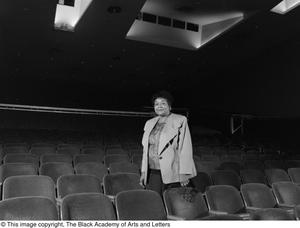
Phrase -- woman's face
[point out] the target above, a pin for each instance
(161, 107)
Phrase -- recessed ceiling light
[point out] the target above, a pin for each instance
(285, 6)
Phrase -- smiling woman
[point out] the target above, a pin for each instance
(167, 148)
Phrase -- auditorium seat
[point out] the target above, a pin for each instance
(225, 199)
(292, 164)
(28, 208)
(112, 151)
(29, 185)
(271, 214)
(56, 169)
(230, 165)
(287, 194)
(87, 206)
(15, 149)
(68, 150)
(297, 212)
(137, 159)
(257, 196)
(274, 164)
(201, 181)
(140, 205)
(115, 158)
(91, 168)
(93, 150)
(253, 176)
(21, 158)
(46, 158)
(123, 167)
(231, 158)
(254, 164)
(115, 183)
(39, 150)
(276, 175)
(294, 174)
(69, 184)
(224, 217)
(226, 177)
(185, 203)
(79, 158)
(15, 169)
(206, 166)
(208, 157)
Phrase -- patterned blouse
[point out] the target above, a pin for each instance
(154, 144)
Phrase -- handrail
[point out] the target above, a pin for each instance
(32, 108)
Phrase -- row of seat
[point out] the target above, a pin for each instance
(218, 203)
(227, 177)
(57, 169)
(67, 149)
(44, 186)
(225, 199)
(210, 165)
(76, 159)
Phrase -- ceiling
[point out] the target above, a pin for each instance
(95, 66)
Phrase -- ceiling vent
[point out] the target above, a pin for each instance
(67, 2)
(167, 21)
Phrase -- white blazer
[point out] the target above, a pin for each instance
(175, 149)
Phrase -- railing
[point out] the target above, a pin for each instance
(31, 108)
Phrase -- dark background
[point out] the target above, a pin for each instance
(251, 69)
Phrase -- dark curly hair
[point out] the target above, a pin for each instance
(163, 94)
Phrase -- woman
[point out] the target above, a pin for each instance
(167, 148)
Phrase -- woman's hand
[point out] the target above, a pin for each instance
(184, 180)
(142, 179)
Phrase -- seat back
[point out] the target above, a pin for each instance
(224, 198)
(271, 214)
(274, 164)
(21, 158)
(29, 185)
(69, 184)
(91, 168)
(258, 195)
(15, 149)
(15, 169)
(93, 150)
(68, 150)
(254, 164)
(140, 205)
(56, 169)
(276, 175)
(253, 176)
(115, 183)
(46, 158)
(28, 208)
(294, 174)
(201, 181)
(287, 193)
(123, 167)
(115, 158)
(79, 158)
(87, 206)
(187, 203)
(230, 165)
(226, 177)
(39, 150)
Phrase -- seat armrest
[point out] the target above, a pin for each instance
(217, 212)
(174, 218)
(245, 216)
(112, 198)
(285, 206)
(252, 209)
